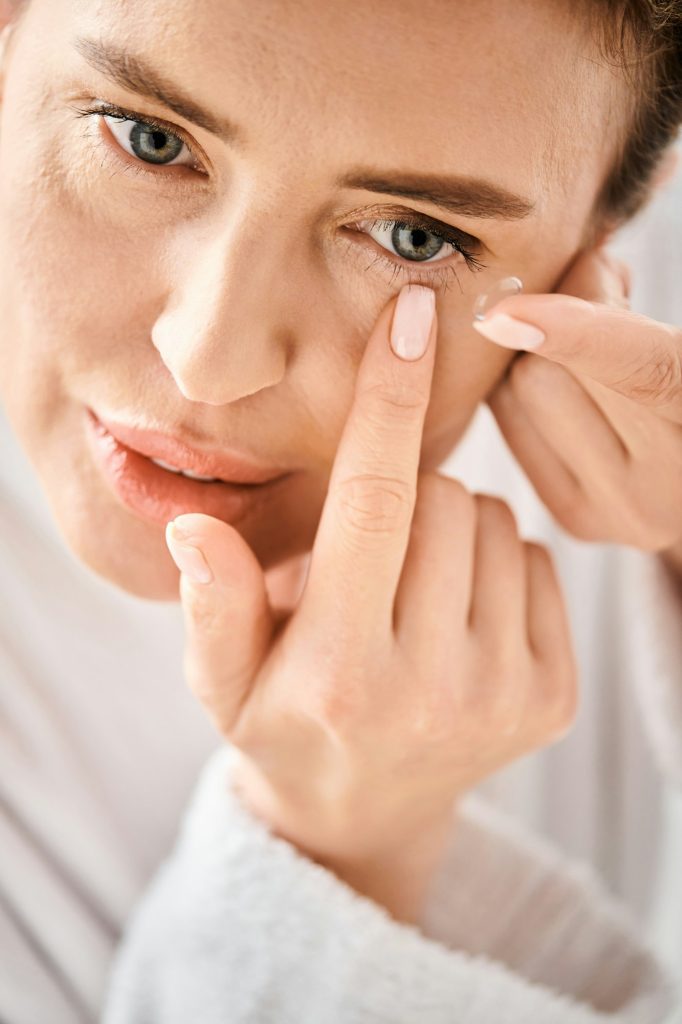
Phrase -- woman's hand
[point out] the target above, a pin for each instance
(429, 646)
(594, 415)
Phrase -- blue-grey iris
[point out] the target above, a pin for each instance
(415, 243)
(154, 146)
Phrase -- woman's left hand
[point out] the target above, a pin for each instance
(593, 413)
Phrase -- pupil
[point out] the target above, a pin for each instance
(415, 243)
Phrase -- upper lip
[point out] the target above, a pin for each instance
(225, 464)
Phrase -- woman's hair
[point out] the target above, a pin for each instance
(643, 38)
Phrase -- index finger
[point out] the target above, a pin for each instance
(630, 353)
(364, 529)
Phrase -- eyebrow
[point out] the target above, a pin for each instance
(466, 196)
(135, 75)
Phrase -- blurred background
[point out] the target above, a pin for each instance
(631, 833)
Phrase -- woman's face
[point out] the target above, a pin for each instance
(218, 282)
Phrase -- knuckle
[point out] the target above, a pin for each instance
(500, 668)
(649, 514)
(459, 495)
(501, 656)
(434, 731)
(434, 487)
(571, 511)
(537, 550)
(574, 512)
(205, 617)
(495, 512)
(659, 379)
(374, 504)
(336, 708)
(648, 524)
(531, 378)
(539, 555)
(525, 372)
(503, 711)
(497, 713)
(506, 718)
(639, 517)
(393, 398)
(436, 717)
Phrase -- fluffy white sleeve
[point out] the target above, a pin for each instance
(239, 928)
(651, 598)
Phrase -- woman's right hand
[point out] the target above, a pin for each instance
(429, 646)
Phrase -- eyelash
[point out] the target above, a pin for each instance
(441, 274)
(103, 109)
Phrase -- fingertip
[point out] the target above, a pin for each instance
(189, 558)
(510, 332)
(413, 318)
(189, 524)
(550, 312)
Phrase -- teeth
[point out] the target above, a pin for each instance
(165, 465)
(196, 476)
(182, 472)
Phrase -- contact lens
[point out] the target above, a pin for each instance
(507, 286)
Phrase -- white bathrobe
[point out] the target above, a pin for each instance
(100, 744)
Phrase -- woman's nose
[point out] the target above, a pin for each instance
(219, 335)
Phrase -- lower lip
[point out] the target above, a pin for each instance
(158, 495)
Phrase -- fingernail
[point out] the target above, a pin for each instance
(510, 332)
(189, 559)
(412, 319)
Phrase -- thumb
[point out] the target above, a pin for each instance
(228, 618)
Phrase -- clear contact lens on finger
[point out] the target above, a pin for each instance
(504, 288)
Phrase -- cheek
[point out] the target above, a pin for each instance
(73, 287)
(467, 368)
(77, 275)
(331, 346)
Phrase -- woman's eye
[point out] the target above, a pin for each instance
(410, 242)
(147, 142)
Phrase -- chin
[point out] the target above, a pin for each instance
(132, 555)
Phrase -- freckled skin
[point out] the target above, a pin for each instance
(234, 305)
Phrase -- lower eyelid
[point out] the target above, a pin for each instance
(122, 157)
(397, 261)
(441, 273)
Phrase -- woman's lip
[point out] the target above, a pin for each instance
(227, 465)
(158, 495)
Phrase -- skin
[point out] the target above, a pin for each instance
(105, 308)
(301, 691)
(616, 377)
(359, 714)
